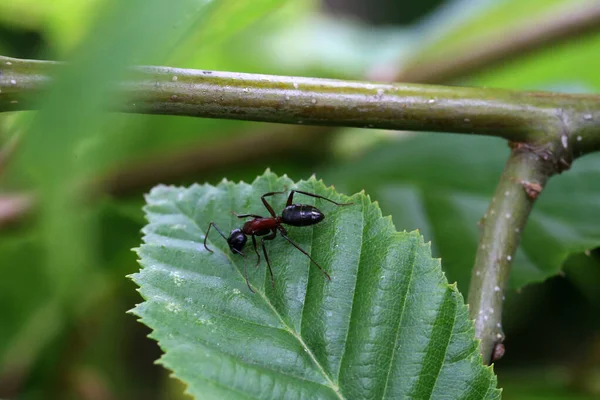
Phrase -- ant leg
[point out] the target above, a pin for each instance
(245, 270)
(283, 233)
(262, 241)
(256, 250)
(246, 215)
(212, 224)
(267, 205)
(291, 198)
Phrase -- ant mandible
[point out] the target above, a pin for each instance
(267, 227)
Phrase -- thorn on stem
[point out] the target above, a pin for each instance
(498, 352)
(532, 189)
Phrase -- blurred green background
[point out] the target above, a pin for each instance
(64, 331)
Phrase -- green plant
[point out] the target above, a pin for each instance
(436, 183)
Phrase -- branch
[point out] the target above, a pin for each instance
(516, 116)
(524, 177)
(549, 29)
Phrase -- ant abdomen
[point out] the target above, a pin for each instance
(301, 215)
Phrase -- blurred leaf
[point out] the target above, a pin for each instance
(64, 22)
(226, 18)
(574, 65)
(241, 48)
(464, 25)
(209, 39)
(53, 158)
(332, 47)
(461, 24)
(69, 115)
(293, 39)
(386, 326)
(442, 184)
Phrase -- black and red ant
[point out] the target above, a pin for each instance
(267, 227)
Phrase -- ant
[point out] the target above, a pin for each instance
(267, 227)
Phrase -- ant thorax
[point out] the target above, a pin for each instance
(260, 226)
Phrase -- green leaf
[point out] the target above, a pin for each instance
(221, 20)
(462, 23)
(571, 64)
(424, 184)
(568, 66)
(387, 325)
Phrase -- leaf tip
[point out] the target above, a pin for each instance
(134, 277)
(133, 311)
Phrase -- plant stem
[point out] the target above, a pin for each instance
(524, 177)
(516, 116)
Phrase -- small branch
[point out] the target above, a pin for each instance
(567, 23)
(516, 116)
(524, 177)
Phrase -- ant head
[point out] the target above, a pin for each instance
(237, 240)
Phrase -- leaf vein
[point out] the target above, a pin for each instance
(449, 338)
(354, 292)
(400, 320)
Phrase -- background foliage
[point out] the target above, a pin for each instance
(64, 331)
